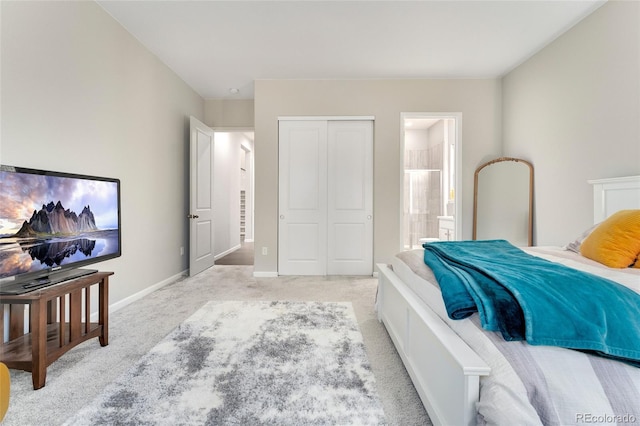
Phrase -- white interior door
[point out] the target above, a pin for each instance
(350, 198)
(201, 229)
(302, 204)
(325, 197)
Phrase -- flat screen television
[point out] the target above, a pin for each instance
(52, 224)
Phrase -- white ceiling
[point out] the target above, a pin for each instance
(218, 45)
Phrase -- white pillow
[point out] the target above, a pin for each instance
(574, 245)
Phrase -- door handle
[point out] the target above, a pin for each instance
(192, 216)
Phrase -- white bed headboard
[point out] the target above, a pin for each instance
(611, 195)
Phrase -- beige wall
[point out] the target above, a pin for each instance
(228, 113)
(477, 100)
(573, 110)
(80, 94)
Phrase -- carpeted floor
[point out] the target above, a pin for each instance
(75, 379)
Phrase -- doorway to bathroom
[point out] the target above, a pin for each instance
(430, 178)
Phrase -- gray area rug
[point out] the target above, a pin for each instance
(249, 363)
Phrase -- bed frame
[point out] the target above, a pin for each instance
(611, 195)
(445, 371)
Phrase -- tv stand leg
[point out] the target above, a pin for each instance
(38, 343)
(103, 311)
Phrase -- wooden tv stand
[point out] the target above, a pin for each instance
(51, 335)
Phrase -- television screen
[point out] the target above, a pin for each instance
(52, 221)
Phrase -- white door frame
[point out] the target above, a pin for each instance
(457, 117)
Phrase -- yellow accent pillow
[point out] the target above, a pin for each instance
(616, 241)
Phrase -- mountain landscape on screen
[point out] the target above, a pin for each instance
(54, 219)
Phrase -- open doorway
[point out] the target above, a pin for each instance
(234, 196)
(430, 178)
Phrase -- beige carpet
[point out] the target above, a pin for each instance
(80, 375)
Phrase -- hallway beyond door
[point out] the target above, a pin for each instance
(242, 256)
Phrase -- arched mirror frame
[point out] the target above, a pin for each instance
(475, 194)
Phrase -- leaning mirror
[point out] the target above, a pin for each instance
(503, 201)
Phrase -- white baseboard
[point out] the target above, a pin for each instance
(265, 274)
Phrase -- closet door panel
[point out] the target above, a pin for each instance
(347, 173)
(350, 198)
(343, 247)
(302, 203)
(299, 247)
(303, 170)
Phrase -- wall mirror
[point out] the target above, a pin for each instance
(503, 201)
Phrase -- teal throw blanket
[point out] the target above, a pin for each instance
(529, 298)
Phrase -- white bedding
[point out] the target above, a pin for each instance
(539, 384)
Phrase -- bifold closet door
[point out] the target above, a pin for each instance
(325, 197)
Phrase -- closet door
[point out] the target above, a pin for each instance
(325, 201)
(302, 225)
(350, 198)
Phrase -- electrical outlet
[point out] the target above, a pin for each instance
(181, 251)
(264, 251)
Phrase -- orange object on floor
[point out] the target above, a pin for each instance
(5, 390)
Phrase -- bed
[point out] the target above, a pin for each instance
(465, 375)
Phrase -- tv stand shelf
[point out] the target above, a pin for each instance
(51, 335)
